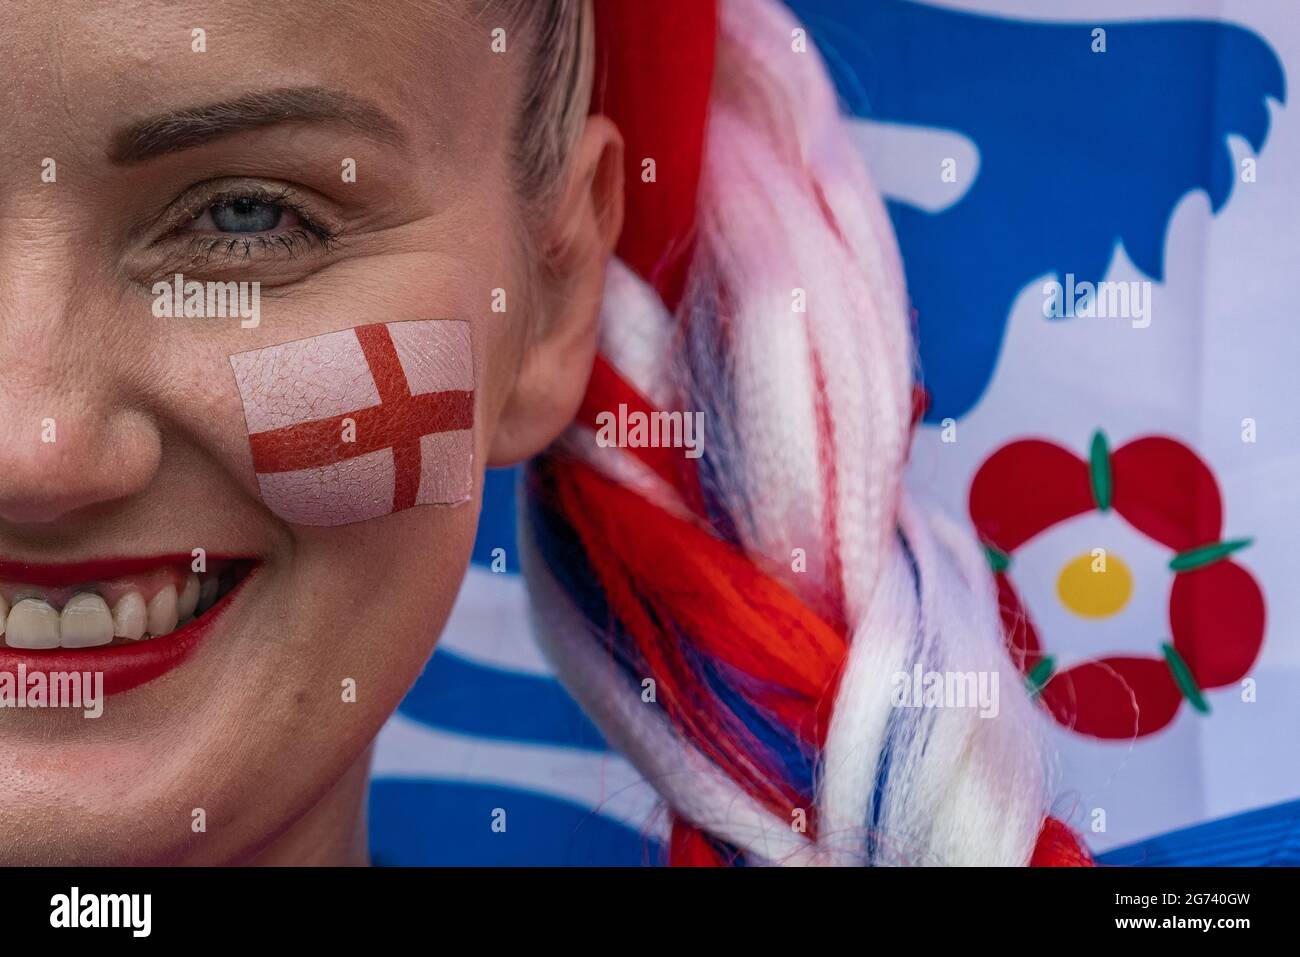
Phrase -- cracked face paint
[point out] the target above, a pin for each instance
(362, 422)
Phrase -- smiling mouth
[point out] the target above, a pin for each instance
(133, 619)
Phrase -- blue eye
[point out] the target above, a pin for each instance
(242, 222)
(245, 215)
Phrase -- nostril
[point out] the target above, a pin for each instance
(58, 464)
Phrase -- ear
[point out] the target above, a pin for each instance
(578, 241)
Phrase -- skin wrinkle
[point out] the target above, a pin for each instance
(153, 454)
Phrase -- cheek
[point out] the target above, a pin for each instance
(360, 423)
(370, 601)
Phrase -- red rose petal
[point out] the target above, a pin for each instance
(1026, 487)
(1216, 615)
(1164, 491)
(1022, 638)
(1116, 698)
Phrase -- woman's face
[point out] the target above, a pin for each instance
(134, 147)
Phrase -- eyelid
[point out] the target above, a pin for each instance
(275, 257)
(190, 205)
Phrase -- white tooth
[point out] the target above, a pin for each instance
(4, 613)
(85, 622)
(32, 624)
(130, 616)
(189, 599)
(208, 593)
(162, 612)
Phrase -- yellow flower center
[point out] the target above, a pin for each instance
(1095, 584)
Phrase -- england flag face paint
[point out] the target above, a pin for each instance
(360, 423)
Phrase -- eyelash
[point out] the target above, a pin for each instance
(203, 247)
(230, 248)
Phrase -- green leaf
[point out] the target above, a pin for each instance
(1207, 554)
(1099, 469)
(998, 560)
(1183, 677)
(1040, 675)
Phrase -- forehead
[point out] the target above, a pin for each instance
(74, 71)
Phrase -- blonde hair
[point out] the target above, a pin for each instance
(557, 87)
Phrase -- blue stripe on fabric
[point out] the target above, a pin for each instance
(1269, 837)
(463, 696)
(496, 522)
(449, 823)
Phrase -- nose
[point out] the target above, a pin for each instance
(66, 452)
(71, 437)
(66, 443)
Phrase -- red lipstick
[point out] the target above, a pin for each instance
(124, 666)
(59, 576)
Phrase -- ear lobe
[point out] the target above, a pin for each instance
(579, 239)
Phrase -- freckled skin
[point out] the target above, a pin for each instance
(152, 454)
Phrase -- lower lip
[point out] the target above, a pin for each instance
(124, 666)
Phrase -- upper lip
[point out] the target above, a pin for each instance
(76, 573)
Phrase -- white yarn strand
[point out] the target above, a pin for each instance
(958, 788)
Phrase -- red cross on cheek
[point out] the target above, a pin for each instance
(360, 423)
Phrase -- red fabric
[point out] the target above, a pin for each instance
(654, 73)
(688, 847)
(606, 391)
(1058, 846)
(654, 70)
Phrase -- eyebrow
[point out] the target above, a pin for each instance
(194, 126)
